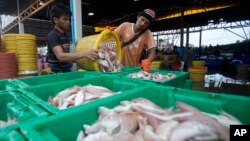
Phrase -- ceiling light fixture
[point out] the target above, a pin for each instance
(136, 0)
(91, 14)
(41, 3)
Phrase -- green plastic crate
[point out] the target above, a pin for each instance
(11, 133)
(235, 104)
(125, 70)
(53, 78)
(188, 84)
(14, 105)
(57, 127)
(6, 85)
(3, 85)
(19, 107)
(41, 93)
(178, 81)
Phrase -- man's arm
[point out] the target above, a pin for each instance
(70, 57)
(151, 54)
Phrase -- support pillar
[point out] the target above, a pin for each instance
(76, 25)
(76, 20)
(182, 27)
(200, 38)
(21, 28)
(187, 37)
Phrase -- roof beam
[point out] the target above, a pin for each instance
(195, 11)
(211, 26)
(31, 10)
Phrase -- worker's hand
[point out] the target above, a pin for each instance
(146, 65)
(92, 54)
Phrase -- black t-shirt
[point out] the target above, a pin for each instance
(56, 38)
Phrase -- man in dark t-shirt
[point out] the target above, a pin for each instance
(57, 38)
(59, 56)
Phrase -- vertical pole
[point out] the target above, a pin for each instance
(182, 26)
(157, 37)
(20, 25)
(187, 37)
(76, 25)
(21, 28)
(200, 38)
(76, 20)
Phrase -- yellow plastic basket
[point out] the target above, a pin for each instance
(26, 37)
(26, 52)
(92, 42)
(197, 74)
(198, 63)
(155, 65)
(9, 42)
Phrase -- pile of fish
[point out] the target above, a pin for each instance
(79, 95)
(8, 122)
(152, 76)
(142, 120)
(108, 61)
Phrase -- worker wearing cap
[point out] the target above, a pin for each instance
(132, 53)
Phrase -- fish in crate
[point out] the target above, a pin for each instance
(157, 77)
(142, 120)
(77, 95)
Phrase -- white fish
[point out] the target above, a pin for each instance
(3, 123)
(145, 101)
(139, 135)
(225, 119)
(79, 99)
(108, 61)
(129, 120)
(93, 128)
(80, 136)
(151, 76)
(99, 136)
(103, 63)
(190, 129)
(148, 108)
(164, 129)
(198, 116)
(8, 122)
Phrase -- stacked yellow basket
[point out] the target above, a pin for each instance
(198, 71)
(26, 54)
(9, 43)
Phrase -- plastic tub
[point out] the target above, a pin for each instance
(198, 63)
(125, 70)
(50, 128)
(41, 93)
(3, 85)
(11, 133)
(19, 107)
(53, 78)
(177, 81)
(6, 85)
(197, 74)
(155, 65)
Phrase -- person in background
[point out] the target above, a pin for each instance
(177, 64)
(59, 57)
(188, 57)
(133, 52)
